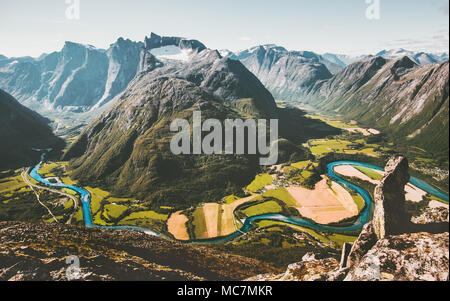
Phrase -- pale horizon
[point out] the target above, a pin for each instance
(32, 28)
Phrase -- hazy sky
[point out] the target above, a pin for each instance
(30, 27)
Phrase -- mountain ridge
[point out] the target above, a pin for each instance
(127, 147)
(397, 96)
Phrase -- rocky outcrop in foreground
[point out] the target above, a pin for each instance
(39, 252)
(393, 247)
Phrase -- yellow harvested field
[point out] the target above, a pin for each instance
(212, 219)
(228, 226)
(177, 226)
(211, 214)
(414, 194)
(324, 204)
(437, 204)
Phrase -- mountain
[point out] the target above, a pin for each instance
(127, 149)
(342, 59)
(2, 57)
(77, 78)
(21, 130)
(286, 74)
(408, 101)
(38, 252)
(420, 58)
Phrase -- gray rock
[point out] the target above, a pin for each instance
(389, 216)
(309, 257)
(395, 96)
(407, 257)
(433, 215)
(366, 240)
(286, 74)
(346, 249)
(77, 78)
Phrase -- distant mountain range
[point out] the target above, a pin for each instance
(342, 59)
(397, 96)
(77, 78)
(290, 74)
(287, 74)
(21, 130)
(420, 58)
(80, 77)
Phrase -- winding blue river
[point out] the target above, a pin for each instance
(364, 217)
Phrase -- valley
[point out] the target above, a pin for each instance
(101, 159)
(294, 207)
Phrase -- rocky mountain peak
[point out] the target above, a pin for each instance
(72, 46)
(390, 198)
(404, 62)
(156, 41)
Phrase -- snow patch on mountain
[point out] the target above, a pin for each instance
(420, 58)
(172, 53)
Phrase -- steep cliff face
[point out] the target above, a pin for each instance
(391, 247)
(389, 217)
(76, 78)
(39, 252)
(408, 101)
(286, 74)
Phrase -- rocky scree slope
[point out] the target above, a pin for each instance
(39, 252)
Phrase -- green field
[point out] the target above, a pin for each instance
(146, 215)
(263, 208)
(283, 195)
(113, 211)
(359, 201)
(301, 165)
(260, 182)
(324, 146)
(369, 172)
(97, 196)
(336, 239)
(12, 184)
(231, 199)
